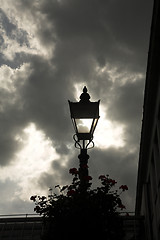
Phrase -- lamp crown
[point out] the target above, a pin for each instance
(84, 98)
(85, 89)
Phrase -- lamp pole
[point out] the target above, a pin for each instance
(84, 115)
(83, 166)
(83, 160)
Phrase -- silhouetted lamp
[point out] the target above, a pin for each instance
(84, 115)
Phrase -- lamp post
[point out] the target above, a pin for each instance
(84, 115)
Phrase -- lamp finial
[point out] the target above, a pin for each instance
(84, 96)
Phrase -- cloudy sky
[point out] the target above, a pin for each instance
(49, 50)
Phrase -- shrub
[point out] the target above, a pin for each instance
(81, 212)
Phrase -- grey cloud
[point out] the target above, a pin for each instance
(61, 149)
(126, 103)
(12, 122)
(42, 99)
(46, 180)
(16, 206)
(126, 107)
(6, 24)
(121, 165)
(12, 32)
(111, 159)
(110, 30)
(58, 176)
(9, 202)
(131, 28)
(45, 99)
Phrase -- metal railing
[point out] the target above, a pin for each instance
(30, 226)
(20, 226)
(19, 215)
(27, 215)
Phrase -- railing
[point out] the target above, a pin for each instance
(30, 226)
(127, 213)
(19, 215)
(20, 226)
(27, 215)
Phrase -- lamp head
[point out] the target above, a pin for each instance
(84, 115)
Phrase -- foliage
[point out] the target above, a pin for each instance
(79, 211)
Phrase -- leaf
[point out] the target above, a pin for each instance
(64, 188)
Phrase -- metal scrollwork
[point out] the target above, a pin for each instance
(78, 145)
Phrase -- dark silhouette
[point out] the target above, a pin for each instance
(78, 213)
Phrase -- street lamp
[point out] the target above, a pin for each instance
(84, 115)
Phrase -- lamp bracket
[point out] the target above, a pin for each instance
(83, 145)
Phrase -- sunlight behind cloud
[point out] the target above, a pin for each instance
(107, 133)
(34, 158)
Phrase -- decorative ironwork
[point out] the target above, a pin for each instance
(83, 145)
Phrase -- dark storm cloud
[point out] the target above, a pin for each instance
(127, 101)
(120, 164)
(126, 107)
(12, 122)
(45, 99)
(112, 31)
(110, 161)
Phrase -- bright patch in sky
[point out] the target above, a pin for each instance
(34, 158)
(107, 133)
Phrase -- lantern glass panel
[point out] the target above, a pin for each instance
(95, 121)
(83, 125)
